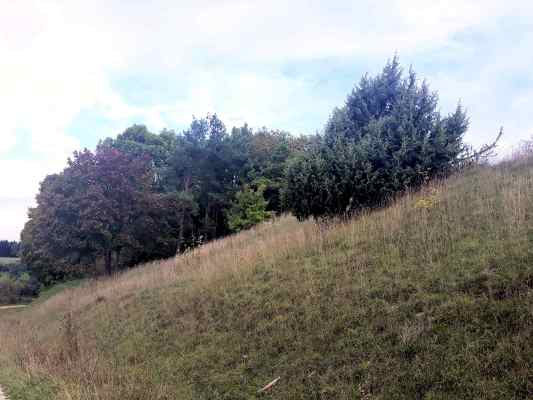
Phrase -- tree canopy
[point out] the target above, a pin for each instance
(142, 196)
(101, 205)
(389, 136)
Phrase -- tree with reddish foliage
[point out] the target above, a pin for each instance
(112, 197)
(99, 209)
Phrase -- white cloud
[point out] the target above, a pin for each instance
(58, 58)
(20, 179)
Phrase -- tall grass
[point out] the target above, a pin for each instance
(428, 298)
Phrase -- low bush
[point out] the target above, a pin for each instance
(16, 284)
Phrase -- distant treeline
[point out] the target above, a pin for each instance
(9, 249)
(142, 196)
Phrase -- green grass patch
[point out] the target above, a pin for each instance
(20, 386)
(51, 291)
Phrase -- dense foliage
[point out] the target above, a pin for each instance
(389, 136)
(9, 249)
(99, 206)
(144, 196)
(248, 209)
(16, 283)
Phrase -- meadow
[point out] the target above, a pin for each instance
(429, 298)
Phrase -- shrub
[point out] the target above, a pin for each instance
(16, 284)
(248, 209)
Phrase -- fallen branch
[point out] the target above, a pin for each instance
(269, 386)
(12, 307)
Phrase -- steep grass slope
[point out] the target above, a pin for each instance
(430, 298)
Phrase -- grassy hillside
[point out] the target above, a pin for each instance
(430, 298)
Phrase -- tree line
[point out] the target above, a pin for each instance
(142, 196)
(9, 248)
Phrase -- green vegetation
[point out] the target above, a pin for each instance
(143, 196)
(39, 297)
(55, 289)
(429, 298)
(248, 209)
(22, 387)
(389, 137)
(16, 283)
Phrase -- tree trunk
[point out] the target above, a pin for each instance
(117, 258)
(108, 262)
(181, 235)
(206, 221)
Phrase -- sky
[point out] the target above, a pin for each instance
(73, 72)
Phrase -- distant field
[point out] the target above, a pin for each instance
(8, 260)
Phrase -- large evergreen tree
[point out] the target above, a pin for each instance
(389, 136)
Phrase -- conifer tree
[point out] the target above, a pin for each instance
(389, 136)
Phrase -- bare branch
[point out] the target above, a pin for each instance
(269, 386)
(476, 156)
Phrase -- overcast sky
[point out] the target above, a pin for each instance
(72, 72)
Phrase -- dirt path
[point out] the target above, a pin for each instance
(9, 308)
(2, 395)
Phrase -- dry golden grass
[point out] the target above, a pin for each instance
(209, 262)
(343, 311)
(33, 337)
